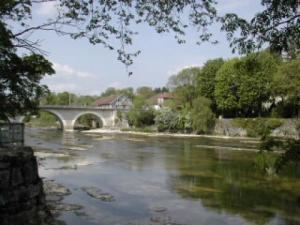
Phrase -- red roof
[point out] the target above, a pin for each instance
(105, 100)
(166, 95)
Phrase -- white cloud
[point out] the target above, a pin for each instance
(47, 8)
(67, 78)
(66, 70)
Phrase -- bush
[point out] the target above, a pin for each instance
(140, 114)
(169, 120)
(141, 118)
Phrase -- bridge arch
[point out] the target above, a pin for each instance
(98, 115)
(57, 115)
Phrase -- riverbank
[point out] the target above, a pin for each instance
(163, 134)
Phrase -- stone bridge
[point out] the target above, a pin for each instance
(68, 115)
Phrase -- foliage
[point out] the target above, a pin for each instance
(168, 120)
(113, 91)
(159, 90)
(243, 85)
(290, 151)
(202, 116)
(258, 127)
(226, 87)
(286, 85)
(145, 92)
(87, 121)
(19, 78)
(265, 162)
(206, 80)
(67, 98)
(184, 85)
(140, 114)
(277, 26)
(42, 119)
(109, 22)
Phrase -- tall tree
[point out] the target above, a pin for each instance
(184, 85)
(286, 85)
(206, 80)
(243, 85)
(19, 78)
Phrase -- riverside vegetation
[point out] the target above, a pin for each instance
(257, 91)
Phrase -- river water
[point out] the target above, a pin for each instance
(165, 180)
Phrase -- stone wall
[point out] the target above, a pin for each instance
(22, 199)
(226, 127)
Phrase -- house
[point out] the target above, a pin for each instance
(114, 102)
(159, 100)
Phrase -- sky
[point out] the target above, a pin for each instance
(86, 69)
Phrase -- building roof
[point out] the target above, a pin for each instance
(106, 100)
(165, 95)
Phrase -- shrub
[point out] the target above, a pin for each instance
(140, 114)
(168, 120)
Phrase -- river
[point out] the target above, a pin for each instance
(164, 180)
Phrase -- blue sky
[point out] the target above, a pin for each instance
(82, 68)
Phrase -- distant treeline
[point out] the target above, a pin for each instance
(257, 85)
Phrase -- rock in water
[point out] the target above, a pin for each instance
(98, 194)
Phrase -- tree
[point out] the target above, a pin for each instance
(161, 90)
(65, 98)
(202, 116)
(140, 114)
(101, 22)
(226, 88)
(286, 85)
(109, 91)
(206, 80)
(256, 74)
(145, 91)
(19, 78)
(105, 22)
(277, 27)
(184, 85)
(243, 85)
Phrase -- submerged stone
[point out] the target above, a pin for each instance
(159, 209)
(52, 188)
(65, 207)
(98, 194)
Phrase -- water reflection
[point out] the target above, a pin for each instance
(196, 185)
(226, 181)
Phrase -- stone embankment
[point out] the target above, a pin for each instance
(227, 127)
(22, 199)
